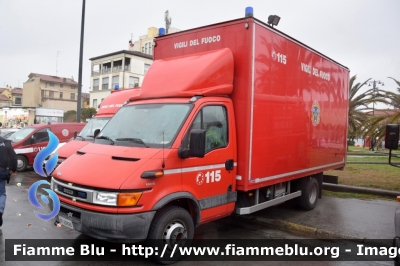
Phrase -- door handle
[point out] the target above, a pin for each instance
(229, 165)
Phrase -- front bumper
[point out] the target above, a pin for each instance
(127, 228)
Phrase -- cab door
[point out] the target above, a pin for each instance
(211, 178)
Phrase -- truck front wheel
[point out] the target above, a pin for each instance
(172, 227)
(309, 194)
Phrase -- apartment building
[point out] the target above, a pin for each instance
(145, 44)
(10, 96)
(121, 69)
(50, 92)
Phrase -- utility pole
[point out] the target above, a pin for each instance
(373, 82)
(78, 111)
(57, 63)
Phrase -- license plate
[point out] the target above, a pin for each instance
(68, 191)
(66, 222)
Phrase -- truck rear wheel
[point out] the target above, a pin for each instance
(309, 194)
(22, 163)
(172, 227)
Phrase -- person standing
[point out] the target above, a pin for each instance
(8, 161)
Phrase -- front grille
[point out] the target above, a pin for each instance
(72, 192)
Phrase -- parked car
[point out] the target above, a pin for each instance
(28, 141)
(7, 132)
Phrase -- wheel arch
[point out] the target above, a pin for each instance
(184, 200)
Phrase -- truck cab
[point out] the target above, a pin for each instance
(108, 107)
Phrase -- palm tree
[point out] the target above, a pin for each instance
(395, 97)
(376, 126)
(358, 104)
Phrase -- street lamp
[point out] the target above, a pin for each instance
(373, 82)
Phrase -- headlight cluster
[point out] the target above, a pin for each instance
(116, 198)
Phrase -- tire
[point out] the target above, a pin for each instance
(22, 163)
(172, 227)
(309, 194)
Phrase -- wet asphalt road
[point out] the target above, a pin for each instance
(20, 222)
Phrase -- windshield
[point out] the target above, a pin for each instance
(21, 134)
(144, 125)
(87, 132)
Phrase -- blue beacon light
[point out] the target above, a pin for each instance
(249, 11)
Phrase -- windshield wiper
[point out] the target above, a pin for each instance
(133, 140)
(81, 137)
(106, 137)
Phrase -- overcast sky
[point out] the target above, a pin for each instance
(360, 34)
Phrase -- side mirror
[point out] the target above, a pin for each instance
(392, 141)
(75, 134)
(197, 145)
(96, 132)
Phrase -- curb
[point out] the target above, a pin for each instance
(317, 232)
(366, 163)
(320, 233)
(373, 191)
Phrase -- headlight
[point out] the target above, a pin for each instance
(116, 199)
(105, 198)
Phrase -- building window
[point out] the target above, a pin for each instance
(72, 96)
(96, 84)
(115, 81)
(95, 103)
(146, 67)
(43, 94)
(145, 48)
(18, 101)
(73, 87)
(61, 95)
(61, 85)
(133, 82)
(51, 94)
(105, 84)
(151, 49)
(51, 84)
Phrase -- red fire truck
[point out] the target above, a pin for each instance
(108, 107)
(232, 117)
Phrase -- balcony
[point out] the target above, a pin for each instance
(117, 68)
(106, 70)
(96, 73)
(127, 68)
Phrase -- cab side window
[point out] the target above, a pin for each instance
(214, 120)
(41, 136)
